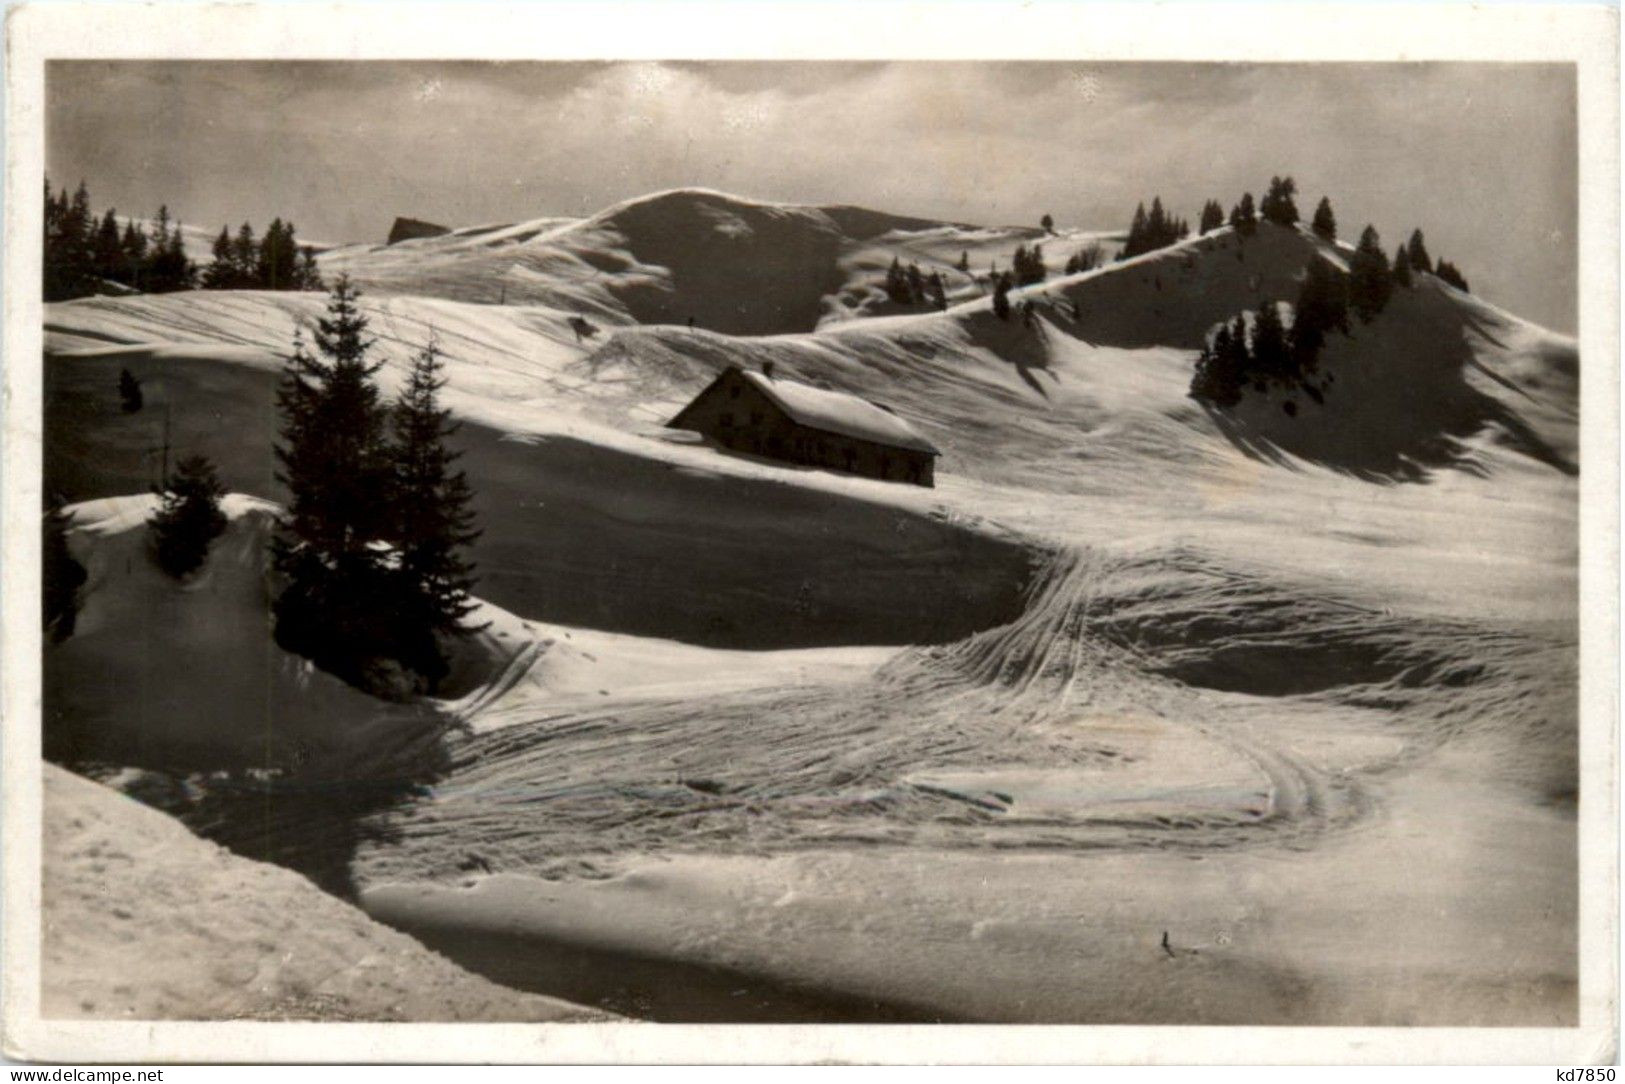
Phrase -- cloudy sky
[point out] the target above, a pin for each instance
(1481, 156)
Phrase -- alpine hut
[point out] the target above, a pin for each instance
(798, 423)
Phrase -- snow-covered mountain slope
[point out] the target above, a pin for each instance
(729, 264)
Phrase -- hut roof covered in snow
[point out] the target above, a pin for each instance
(838, 412)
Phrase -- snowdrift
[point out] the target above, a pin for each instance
(142, 920)
(184, 675)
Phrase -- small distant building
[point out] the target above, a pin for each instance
(798, 423)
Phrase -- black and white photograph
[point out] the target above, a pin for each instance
(640, 540)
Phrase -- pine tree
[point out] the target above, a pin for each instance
(1370, 281)
(339, 607)
(1322, 306)
(433, 523)
(1270, 354)
(221, 274)
(1402, 267)
(936, 293)
(69, 259)
(916, 284)
(1243, 215)
(310, 277)
(108, 253)
(1417, 250)
(49, 275)
(245, 259)
(166, 267)
(1151, 231)
(158, 232)
(277, 261)
(1001, 297)
(179, 273)
(964, 260)
(189, 518)
(1221, 371)
(1449, 273)
(1325, 223)
(897, 283)
(1278, 205)
(1137, 241)
(1212, 217)
(1047, 223)
(79, 239)
(129, 392)
(61, 575)
(134, 244)
(1028, 265)
(267, 269)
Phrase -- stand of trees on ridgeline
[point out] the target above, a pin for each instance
(274, 262)
(1212, 217)
(1028, 265)
(1085, 259)
(909, 286)
(1244, 216)
(1277, 205)
(85, 254)
(1152, 230)
(372, 544)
